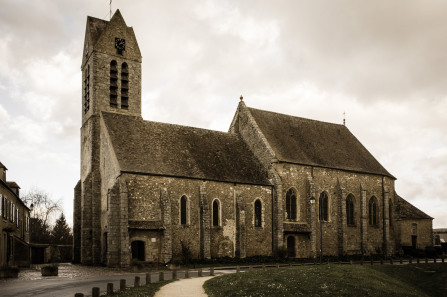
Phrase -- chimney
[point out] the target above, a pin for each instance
(3, 172)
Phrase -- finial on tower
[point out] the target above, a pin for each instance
(242, 98)
(344, 118)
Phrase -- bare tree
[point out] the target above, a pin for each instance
(43, 207)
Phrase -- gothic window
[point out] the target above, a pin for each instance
(291, 204)
(373, 211)
(87, 89)
(113, 84)
(124, 86)
(258, 213)
(350, 209)
(323, 207)
(216, 213)
(184, 210)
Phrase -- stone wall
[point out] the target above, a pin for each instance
(422, 229)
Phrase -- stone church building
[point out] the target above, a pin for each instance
(272, 183)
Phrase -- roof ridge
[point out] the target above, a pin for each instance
(302, 118)
(171, 124)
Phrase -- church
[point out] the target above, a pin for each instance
(272, 184)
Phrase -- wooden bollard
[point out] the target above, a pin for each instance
(109, 288)
(434, 260)
(122, 284)
(381, 261)
(148, 278)
(174, 274)
(95, 292)
(442, 259)
(136, 282)
(400, 261)
(372, 262)
(79, 295)
(277, 265)
(161, 276)
(350, 262)
(263, 266)
(411, 261)
(426, 260)
(200, 272)
(238, 269)
(212, 271)
(391, 261)
(187, 273)
(418, 260)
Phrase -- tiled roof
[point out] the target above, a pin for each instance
(3, 166)
(406, 210)
(310, 142)
(165, 149)
(96, 27)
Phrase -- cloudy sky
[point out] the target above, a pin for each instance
(383, 63)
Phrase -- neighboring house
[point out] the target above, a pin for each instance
(440, 238)
(413, 226)
(14, 224)
(274, 182)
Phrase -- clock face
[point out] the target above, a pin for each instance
(120, 44)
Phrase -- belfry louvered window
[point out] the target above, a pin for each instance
(87, 89)
(124, 86)
(113, 84)
(183, 210)
(216, 213)
(258, 213)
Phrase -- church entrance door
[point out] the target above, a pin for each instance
(291, 247)
(138, 250)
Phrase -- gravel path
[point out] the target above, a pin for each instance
(192, 287)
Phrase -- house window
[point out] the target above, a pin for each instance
(323, 207)
(373, 211)
(113, 84)
(184, 210)
(291, 205)
(124, 86)
(258, 213)
(350, 209)
(216, 213)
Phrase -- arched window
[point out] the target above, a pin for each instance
(216, 213)
(113, 84)
(350, 210)
(373, 211)
(258, 213)
(291, 204)
(323, 207)
(124, 86)
(183, 210)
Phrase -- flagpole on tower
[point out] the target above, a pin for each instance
(110, 10)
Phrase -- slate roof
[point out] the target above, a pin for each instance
(3, 166)
(96, 27)
(407, 211)
(165, 149)
(309, 142)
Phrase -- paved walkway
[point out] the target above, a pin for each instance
(192, 287)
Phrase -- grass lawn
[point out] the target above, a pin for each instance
(334, 280)
(143, 291)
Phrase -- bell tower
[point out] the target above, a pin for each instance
(111, 68)
(111, 82)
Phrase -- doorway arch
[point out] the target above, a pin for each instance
(138, 250)
(291, 253)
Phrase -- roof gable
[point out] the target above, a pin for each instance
(309, 142)
(165, 149)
